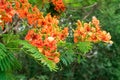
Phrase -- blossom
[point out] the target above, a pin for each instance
(59, 5)
(46, 36)
(45, 32)
(91, 32)
(56, 59)
(50, 39)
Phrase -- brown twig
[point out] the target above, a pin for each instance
(94, 6)
(6, 29)
(90, 5)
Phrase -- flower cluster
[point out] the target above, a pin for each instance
(46, 36)
(20, 7)
(59, 5)
(91, 32)
(6, 12)
(45, 33)
(25, 11)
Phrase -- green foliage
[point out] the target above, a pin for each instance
(6, 76)
(80, 3)
(7, 38)
(69, 51)
(66, 53)
(7, 59)
(43, 5)
(8, 41)
(104, 63)
(84, 47)
(36, 2)
(8, 62)
(104, 60)
(39, 57)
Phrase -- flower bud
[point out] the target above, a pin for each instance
(50, 39)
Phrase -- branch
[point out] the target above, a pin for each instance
(90, 5)
(94, 6)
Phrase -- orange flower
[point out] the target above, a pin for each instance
(24, 1)
(22, 13)
(59, 5)
(93, 38)
(95, 21)
(56, 59)
(29, 35)
(105, 37)
(17, 5)
(91, 32)
(6, 11)
(87, 27)
(47, 53)
(64, 33)
(45, 33)
(32, 19)
(75, 39)
(79, 23)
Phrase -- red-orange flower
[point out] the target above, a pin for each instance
(59, 5)
(91, 32)
(45, 33)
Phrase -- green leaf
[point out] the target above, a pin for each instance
(84, 47)
(8, 62)
(39, 57)
(7, 59)
(6, 38)
(66, 52)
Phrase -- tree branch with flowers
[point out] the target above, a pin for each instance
(25, 28)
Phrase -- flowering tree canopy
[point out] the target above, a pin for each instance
(25, 28)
